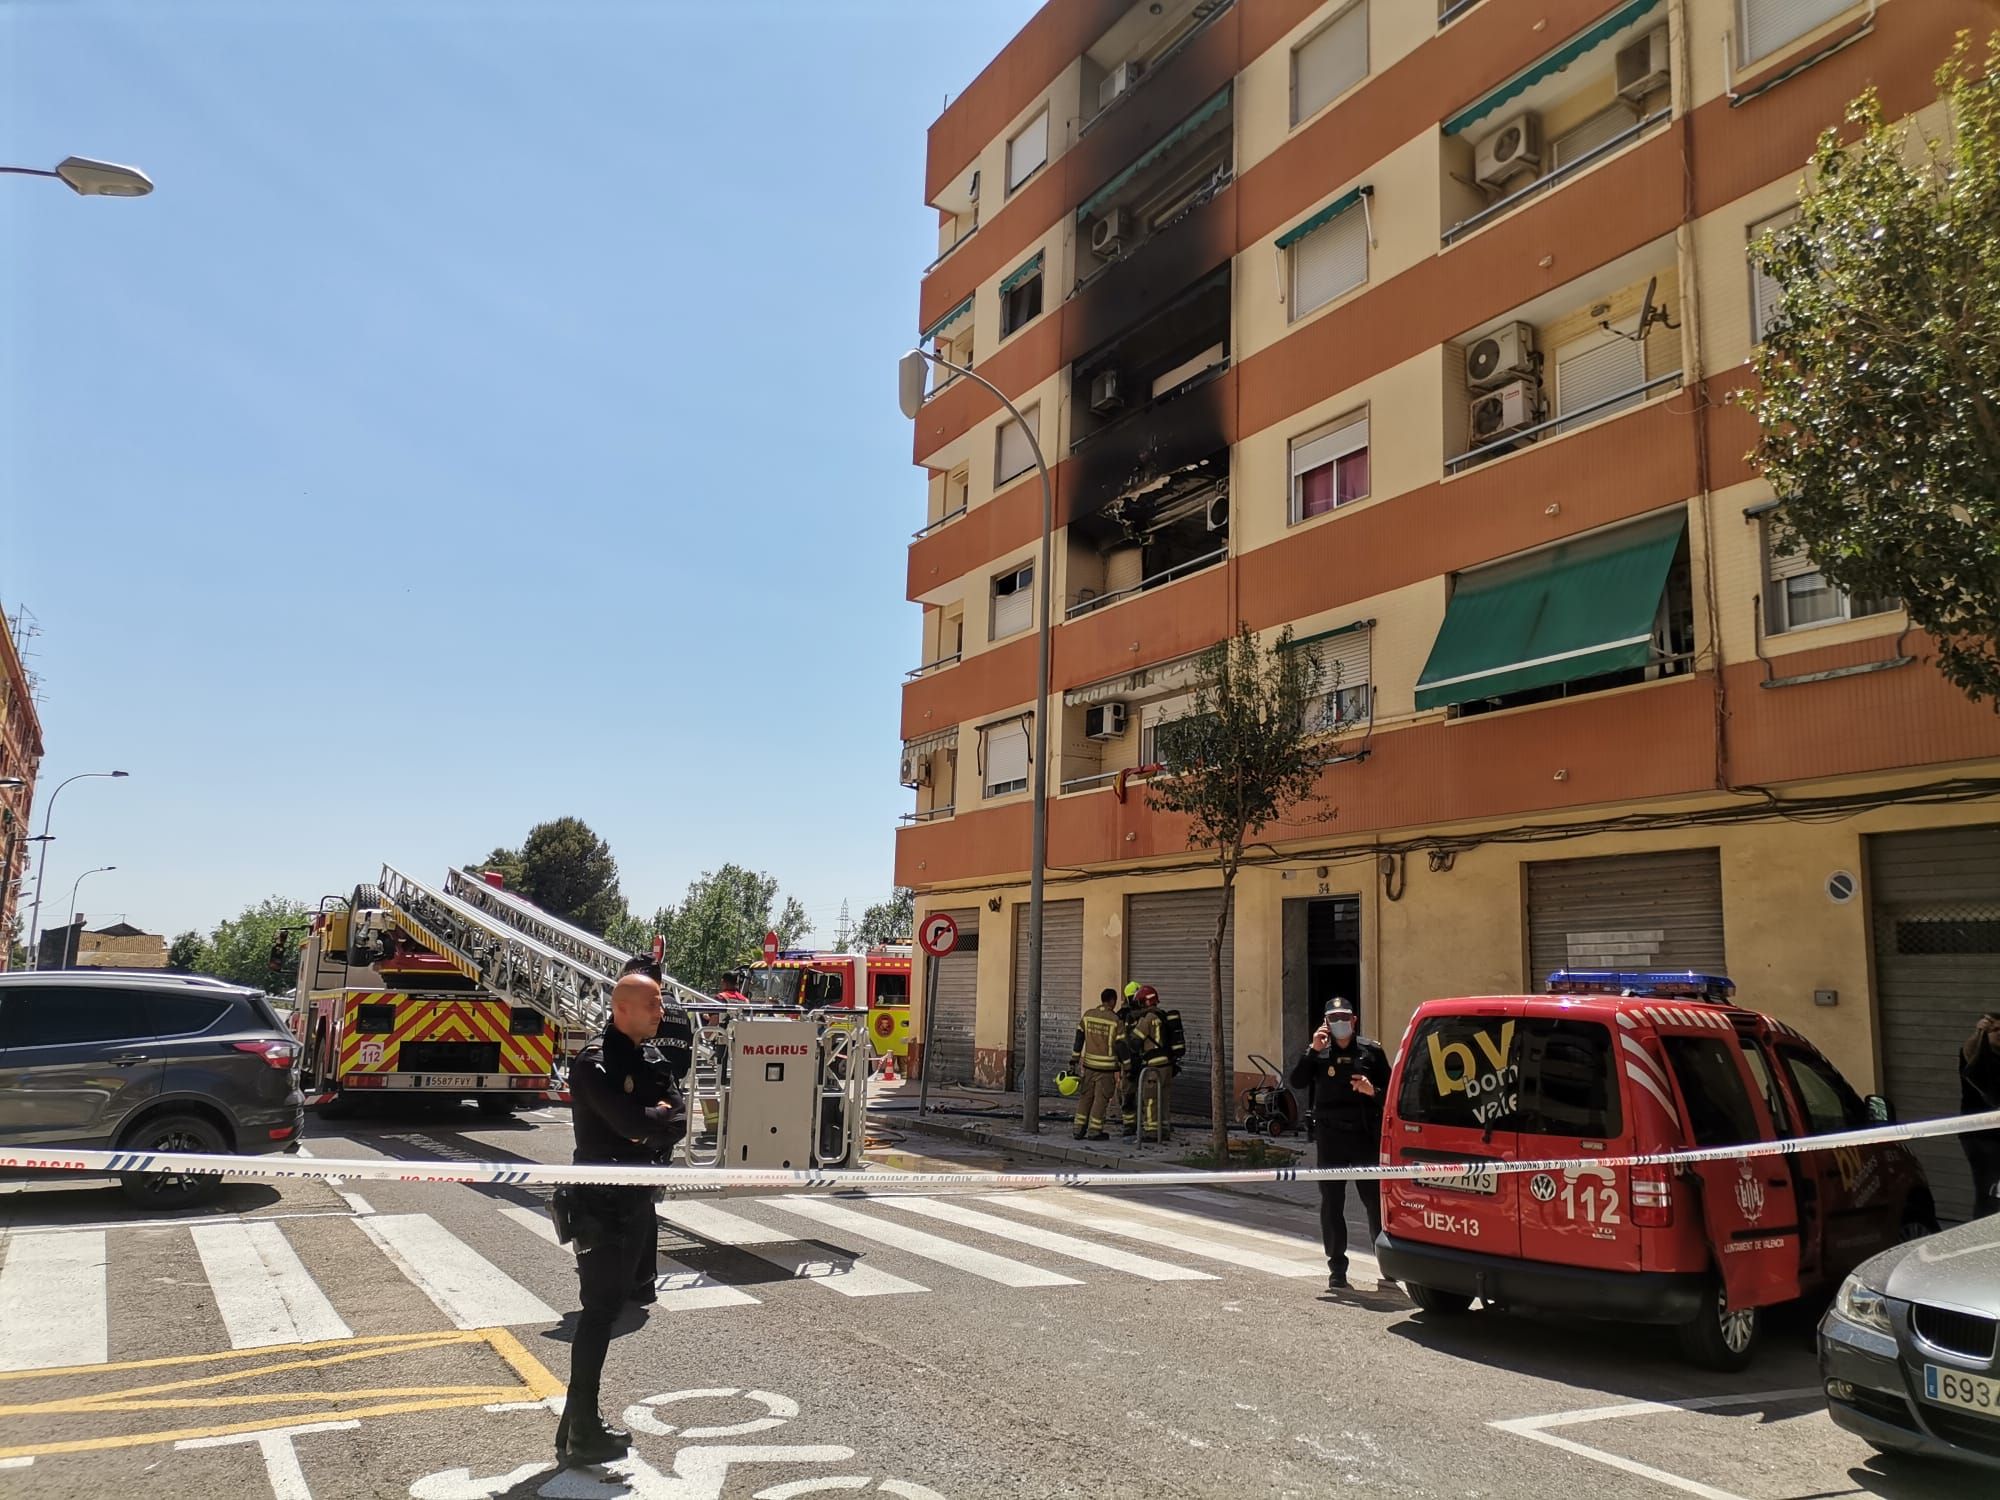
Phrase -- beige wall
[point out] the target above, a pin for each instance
(1264, 88)
(147, 951)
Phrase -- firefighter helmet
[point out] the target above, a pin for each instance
(1148, 995)
(1067, 1083)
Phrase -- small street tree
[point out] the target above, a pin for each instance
(1880, 370)
(1241, 758)
(185, 956)
(721, 923)
(891, 921)
(635, 933)
(259, 946)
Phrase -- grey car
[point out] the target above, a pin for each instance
(1908, 1348)
(140, 1061)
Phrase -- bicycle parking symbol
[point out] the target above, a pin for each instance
(700, 1468)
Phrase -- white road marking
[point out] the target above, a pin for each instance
(15, 1463)
(467, 1288)
(1537, 1430)
(976, 1262)
(1164, 1235)
(281, 1459)
(358, 1203)
(1048, 1239)
(1359, 1260)
(181, 1223)
(849, 1278)
(679, 1290)
(53, 1306)
(264, 1294)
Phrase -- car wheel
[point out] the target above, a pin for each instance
(1433, 1299)
(173, 1189)
(1721, 1337)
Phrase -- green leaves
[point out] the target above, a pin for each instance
(891, 921)
(241, 950)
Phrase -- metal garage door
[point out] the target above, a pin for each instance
(1062, 986)
(957, 1001)
(1166, 946)
(1935, 898)
(1628, 911)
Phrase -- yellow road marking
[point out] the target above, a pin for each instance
(85, 1405)
(442, 1335)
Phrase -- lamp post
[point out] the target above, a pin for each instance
(911, 377)
(48, 812)
(72, 895)
(93, 179)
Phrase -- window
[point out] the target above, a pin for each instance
(1599, 130)
(1764, 289)
(1152, 717)
(1767, 1085)
(1013, 601)
(1013, 453)
(1330, 466)
(1027, 151)
(1568, 1084)
(1767, 25)
(1830, 1104)
(1462, 1072)
(1005, 747)
(1021, 297)
(1330, 62)
(1331, 260)
(184, 1015)
(1343, 695)
(1591, 372)
(1799, 595)
(71, 1017)
(1717, 1103)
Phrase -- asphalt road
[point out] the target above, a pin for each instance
(404, 1339)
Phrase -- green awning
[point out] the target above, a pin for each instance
(1568, 612)
(945, 322)
(1555, 62)
(1332, 211)
(1299, 643)
(1158, 149)
(1032, 268)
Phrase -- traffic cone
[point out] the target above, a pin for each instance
(889, 1074)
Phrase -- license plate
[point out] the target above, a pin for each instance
(452, 1080)
(1956, 1388)
(1476, 1180)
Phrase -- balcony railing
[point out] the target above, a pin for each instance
(1166, 575)
(1562, 422)
(942, 521)
(951, 249)
(1154, 65)
(1556, 178)
(929, 816)
(1454, 10)
(931, 666)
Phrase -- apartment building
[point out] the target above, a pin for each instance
(20, 759)
(1414, 326)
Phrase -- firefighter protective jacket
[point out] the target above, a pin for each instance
(1097, 1037)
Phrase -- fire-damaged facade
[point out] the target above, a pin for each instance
(1411, 325)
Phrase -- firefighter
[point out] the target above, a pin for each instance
(1095, 1056)
(1346, 1075)
(1128, 1073)
(626, 1107)
(1159, 1043)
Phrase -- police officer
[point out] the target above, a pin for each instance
(1098, 1036)
(1346, 1075)
(1978, 1092)
(675, 1040)
(626, 1105)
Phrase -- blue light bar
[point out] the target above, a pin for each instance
(1682, 984)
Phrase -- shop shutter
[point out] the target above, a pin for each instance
(1596, 368)
(1062, 986)
(1935, 901)
(957, 1003)
(1629, 911)
(1166, 946)
(1330, 62)
(1768, 25)
(1331, 260)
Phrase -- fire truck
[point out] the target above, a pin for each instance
(811, 979)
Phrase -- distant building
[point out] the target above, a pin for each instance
(121, 946)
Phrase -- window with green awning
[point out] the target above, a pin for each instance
(1553, 63)
(1581, 609)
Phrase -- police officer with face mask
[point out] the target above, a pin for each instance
(1344, 1075)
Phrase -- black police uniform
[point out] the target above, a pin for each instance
(1347, 1128)
(616, 1086)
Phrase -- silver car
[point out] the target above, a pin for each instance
(1908, 1349)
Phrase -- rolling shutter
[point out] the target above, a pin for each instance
(1006, 756)
(957, 1003)
(1062, 986)
(1935, 900)
(1764, 290)
(1014, 454)
(1166, 946)
(1027, 151)
(1631, 911)
(1600, 129)
(1013, 602)
(1595, 368)
(1330, 62)
(1768, 25)
(1331, 260)
(1341, 659)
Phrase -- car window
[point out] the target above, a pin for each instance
(65, 1017)
(184, 1015)
(1462, 1071)
(1830, 1104)
(1568, 1084)
(1767, 1083)
(1718, 1105)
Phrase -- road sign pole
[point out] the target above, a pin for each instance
(930, 1025)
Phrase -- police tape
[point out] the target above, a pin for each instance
(886, 1181)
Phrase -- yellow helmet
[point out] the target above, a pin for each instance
(1067, 1083)
(1131, 988)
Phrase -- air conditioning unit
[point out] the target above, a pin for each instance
(1218, 513)
(1104, 721)
(1642, 66)
(916, 769)
(1507, 353)
(1118, 81)
(1505, 409)
(1107, 235)
(1515, 148)
(1105, 394)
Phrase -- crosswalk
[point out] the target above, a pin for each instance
(56, 1284)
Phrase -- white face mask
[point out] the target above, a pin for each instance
(1341, 1031)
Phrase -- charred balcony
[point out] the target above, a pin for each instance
(1175, 525)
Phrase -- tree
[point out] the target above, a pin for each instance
(565, 869)
(891, 921)
(17, 954)
(260, 945)
(1242, 757)
(1880, 370)
(185, 956)
(635, 934)
(721, 923)
(506, 863)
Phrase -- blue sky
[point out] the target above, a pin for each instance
(491, 416)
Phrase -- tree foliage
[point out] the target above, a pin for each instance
(720, 924)
(1880, 371)
(635, 933)
(565, 869)
(1240, 759)
(184, 956)
(891, 921)
(240, 950)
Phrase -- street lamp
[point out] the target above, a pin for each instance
(911, 379)
(72, 893)
(93, 179)
(35, 923)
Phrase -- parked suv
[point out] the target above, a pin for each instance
(141, 1061)
(1613, 1065)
